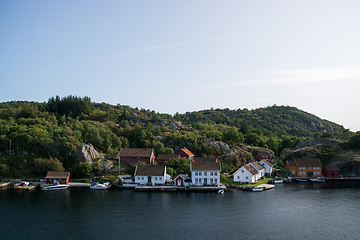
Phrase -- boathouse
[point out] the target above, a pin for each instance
(332, 171)
(182, 180)
(57, 177)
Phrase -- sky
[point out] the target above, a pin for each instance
(184, 56)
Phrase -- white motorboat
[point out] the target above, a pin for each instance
(55, 187)
(100, 186)
(19, 186)
(277, 181)
(221, 191)
(257, 189)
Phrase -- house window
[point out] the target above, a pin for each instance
(196, 180)
(318, 168)
(310, 168)
(160, 178)
(199, 173)
(293, 171)
(211, 173)
(247, 177)
(155, 178)
(300, 168)
(303, 173)
(142, 178)
(318, 173)
(215, 173)
(196, 173)
(300, 173)
(138, 178)
(242, 171)
(238, 177)
(215, 180)
(211, 180)
(205, 173)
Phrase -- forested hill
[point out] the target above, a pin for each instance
(279, 120)
(39, 137)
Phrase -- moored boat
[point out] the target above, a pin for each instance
(100, 186)
(221, 191)
(317, 180)
(302, 179)
(21, 185)
(257, 189)
(55, 187)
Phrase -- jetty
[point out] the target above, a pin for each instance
(172, 188)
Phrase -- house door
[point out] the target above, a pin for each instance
(205, 181)
(179, 182)
(149, 179)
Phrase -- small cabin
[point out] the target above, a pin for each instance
(57, 177)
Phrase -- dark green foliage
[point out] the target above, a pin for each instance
(82, 170)
(178, 166)
(355, 141)
(50, 133)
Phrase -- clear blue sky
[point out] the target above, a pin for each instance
(179, 56)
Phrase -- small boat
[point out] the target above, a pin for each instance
(56, 187)
(221, 191)
(302, 179)
(257, 189)
(100, 186)
(19, 186)
(277, 181)
(317, 180)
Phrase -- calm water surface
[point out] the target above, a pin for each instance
(290, 211)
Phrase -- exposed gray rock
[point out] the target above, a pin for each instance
(87, 153)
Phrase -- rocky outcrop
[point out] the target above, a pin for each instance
(87, 153)
(223, 146)
(324, 142)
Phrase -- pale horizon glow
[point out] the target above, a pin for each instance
(183, 56)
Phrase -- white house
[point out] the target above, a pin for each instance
(205, 173)
(259, 168)
(151, 175)
(268, 167)
(246, 173)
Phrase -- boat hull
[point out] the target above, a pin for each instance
(55, 187)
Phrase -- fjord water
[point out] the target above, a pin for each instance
(290, 211)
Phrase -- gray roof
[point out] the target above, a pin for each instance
(206, 166)
(150, 170)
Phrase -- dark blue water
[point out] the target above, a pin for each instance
(290, 211)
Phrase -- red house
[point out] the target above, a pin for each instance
(185, 153)
(182, 180)
(263, 155)
(57, 177)
(161, 158)
(331, 171)
(128, 156)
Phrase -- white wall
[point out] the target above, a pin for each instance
(243, 175)
(212, 177)
(154, 179)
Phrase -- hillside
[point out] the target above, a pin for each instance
(37, 137)
(279, 120)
